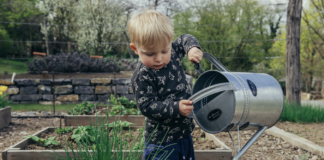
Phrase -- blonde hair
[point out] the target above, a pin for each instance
(149, 28)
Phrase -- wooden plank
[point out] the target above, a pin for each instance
(76, 120)
(5, 117)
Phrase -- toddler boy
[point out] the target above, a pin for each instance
(160, 86)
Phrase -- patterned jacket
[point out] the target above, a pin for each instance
(158, 93)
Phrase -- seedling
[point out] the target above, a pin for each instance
(42, 141)
(63, 130)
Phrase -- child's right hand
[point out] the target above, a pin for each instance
(185, 107)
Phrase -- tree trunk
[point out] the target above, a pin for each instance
(293, 73)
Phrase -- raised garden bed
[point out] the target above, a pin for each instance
(219, 151)
(5, 117)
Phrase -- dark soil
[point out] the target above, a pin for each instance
(198, 136)
(122, 74)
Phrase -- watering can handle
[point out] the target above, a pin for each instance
(211, 90)
(214, 61)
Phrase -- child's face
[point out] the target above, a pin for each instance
(155, 57)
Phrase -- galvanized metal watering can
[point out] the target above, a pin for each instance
(232, 101)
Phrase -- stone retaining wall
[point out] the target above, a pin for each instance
(69, 90)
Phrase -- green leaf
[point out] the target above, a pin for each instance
(51, 138)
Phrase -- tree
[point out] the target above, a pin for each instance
(235, 31)
(18, 35)
(293, 74)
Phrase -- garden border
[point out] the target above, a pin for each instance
(296, 140)
(14, 152)
(5, 117)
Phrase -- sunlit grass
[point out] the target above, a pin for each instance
(302, 114)
(37, 107)
(13, 66)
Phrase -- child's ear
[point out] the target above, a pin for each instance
(134, 48)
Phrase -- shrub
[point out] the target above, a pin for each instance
(72, 63)
(3, 102)
(84, 108)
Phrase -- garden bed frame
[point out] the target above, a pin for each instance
(83, 120)
(15, 153)
(5, 117)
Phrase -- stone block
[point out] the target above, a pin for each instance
(62, 81)
(28, 102)
(71, 97)
(102, 81)
(64, 89)
(85, 97)
(45, 82)
(129, 96)
(81, 82)
(130, 90)
(30, 97)
(28, 90)
(42, 89)
(121, 89)
(71, 102)
(83, 90)
(121, 81)
(25, 82)
(12, 90)
(103, 98)
(6, 82)
(49, 102)
(49, 97)
(103, 89)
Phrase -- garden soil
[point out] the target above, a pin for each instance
(122, 74)
(200, 141)
(313, 132)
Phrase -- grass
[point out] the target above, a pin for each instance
(12, 66)
(37, 107)
(302, 114)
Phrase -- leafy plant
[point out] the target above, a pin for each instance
(84, 134)
(120, 123)
(42, 141)
(123, 106)
(3, 103)
(63, 130)
(84, 108)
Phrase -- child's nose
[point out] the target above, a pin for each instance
(158, 58)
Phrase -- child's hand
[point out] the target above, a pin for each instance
(185, 107)
(195, 55)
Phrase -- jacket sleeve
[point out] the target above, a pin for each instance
(183, 44)
(145, 90)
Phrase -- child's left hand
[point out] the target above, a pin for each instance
(195, 55)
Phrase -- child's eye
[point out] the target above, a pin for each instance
(165, 52)
(149, 55)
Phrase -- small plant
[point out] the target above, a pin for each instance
(63, 130)
(42, 141)
(3, 102)
(84, 134)
(84, 108)
(122, 106)
(120, 123)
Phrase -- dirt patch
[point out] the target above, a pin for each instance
(313, 131)
(19, 128)
(198, 136)
(122, 74)
(267, 147)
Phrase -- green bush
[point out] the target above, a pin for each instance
(302, 114)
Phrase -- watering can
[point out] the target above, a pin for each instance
(231, 101)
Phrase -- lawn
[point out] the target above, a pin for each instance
(13, 66)
(37, 107)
